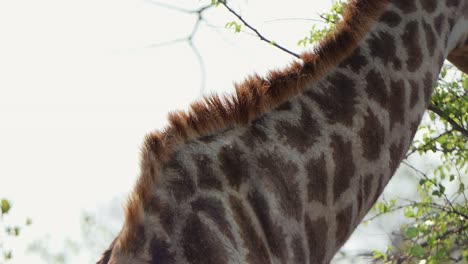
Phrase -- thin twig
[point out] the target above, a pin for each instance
(190, 38)
(263, 38)
(166, 43)
(391, 210)
(294, 19)
(423, 147)
(201, 63)
(447, 233)
(447, 200)
(452, 122)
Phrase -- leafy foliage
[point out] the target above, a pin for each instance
(8, 230)
(330, 19)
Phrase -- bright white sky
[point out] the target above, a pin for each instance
(79, 88)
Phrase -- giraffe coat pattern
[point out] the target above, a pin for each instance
(284, 171)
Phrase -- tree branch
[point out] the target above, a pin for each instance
(447, 200)
(423, 147)
(452, 122)
(263, 38)
(391, 210)
(447, 233)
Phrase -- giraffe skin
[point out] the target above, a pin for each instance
(292, 183)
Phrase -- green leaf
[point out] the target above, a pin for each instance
(236, 26)
(4, 206)
(461, 188)
(443, 72)
(417, 251)
(441, 254)
(377, 254)
(408, 212)
(465, 254)
(16, 231)
(412, 232)
(7, 255)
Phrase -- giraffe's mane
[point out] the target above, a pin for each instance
(253, 97)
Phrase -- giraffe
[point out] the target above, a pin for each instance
(284, 170)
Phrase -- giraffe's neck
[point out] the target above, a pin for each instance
(291, 186)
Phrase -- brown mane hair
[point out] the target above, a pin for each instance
(253, 97)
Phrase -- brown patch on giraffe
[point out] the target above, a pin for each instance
(431, 40)
(167, 215)
(286, 106)
(380, 187)
(281, 175)
(439, 23)
(317, 180)
(382, 46)
(355, 62)
(397, 64)
(396, 153)
(344, 165)
(299, 255)
(255, 96)
(214, 209)
(300, 136)
(372, 136)
(207, 178)
(258, 252)
(200, 244)
(465, 15)
(344, 224)
(429, 5)
(209, 138)
(317, 238)
(405, 5)
(233, 165)
(396, 104)
(391, 18)
(365, 189)
(272, 232)
(451, 23)
(441, 59)
(376, 88)
(414, 127)
(428, 86)
(181, 186)
(414, 96)
(160, 252)
(338, 99)
(411, 43)
(255, 134)
(453, 3)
